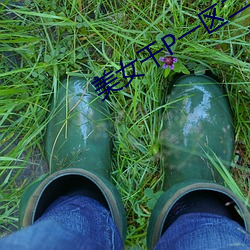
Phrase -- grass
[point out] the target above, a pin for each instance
(46, 41)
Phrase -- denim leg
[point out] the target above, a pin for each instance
(204, 231)
(76, 222)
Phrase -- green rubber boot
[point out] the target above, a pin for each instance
(78, 149)
(197, 125)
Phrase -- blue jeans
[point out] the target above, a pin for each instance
(80, 222)
(204, 231)
(76, 222)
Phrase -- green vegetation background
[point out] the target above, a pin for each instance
(45, 41)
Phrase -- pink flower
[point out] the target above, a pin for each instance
(169, 61)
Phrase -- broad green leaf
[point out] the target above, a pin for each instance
(166, 72)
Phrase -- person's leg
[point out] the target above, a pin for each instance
(71, 222)
(78, 149)
(197, 137)
(204, 231)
